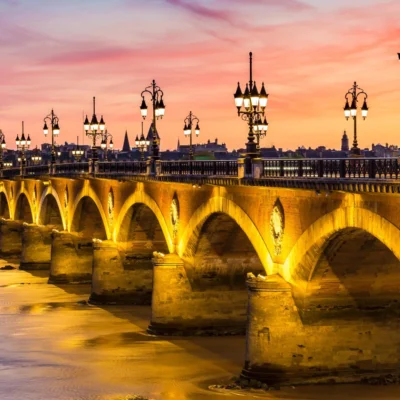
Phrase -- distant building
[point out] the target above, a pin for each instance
(345, 142)
(211, 147)
(150, 136)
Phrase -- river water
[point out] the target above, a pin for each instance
(54, 346)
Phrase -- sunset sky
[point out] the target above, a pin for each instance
(61, 53)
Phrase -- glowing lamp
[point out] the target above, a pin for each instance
(102, 125)
(45, 129)
(353, 108)
(347, 110)
(364, 109)
(238, 97)
(56, 130)
(143, 109)
(255, 96)
(263, 97)
(86, 124)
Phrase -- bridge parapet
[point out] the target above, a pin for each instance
(293, 169)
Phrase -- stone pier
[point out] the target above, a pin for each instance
(178, 310)
(71, 258)
(36, 247)
(121, 274)
(10, 238)
(292, 345)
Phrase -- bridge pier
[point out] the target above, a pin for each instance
(291, 345)
(36, 247)
(71, 258)
(178, 310)
(121, 275)
(10, 238)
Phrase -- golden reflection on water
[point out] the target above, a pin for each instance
(55, 346)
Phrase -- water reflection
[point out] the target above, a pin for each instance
(55, 346)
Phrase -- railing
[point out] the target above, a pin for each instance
(70, 169)
(344, 168)
(110, 168)
(11, 172)
(37, 170)
(200, 168)
(372, 168)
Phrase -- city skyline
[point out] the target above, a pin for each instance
(307, 54)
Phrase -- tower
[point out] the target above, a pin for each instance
(126, 147)
(345, 142)
(150, 136)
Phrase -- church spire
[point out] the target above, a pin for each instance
(126, 147)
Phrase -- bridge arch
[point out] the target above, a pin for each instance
(88, 215)
(339, 225)
(4, 205)
(50, 209)
(24, 210)
(140, 198)
(222, 205)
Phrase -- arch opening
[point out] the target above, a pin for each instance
(351, 274)
(141, 233)
(87, 220)
(219, 255)
(23, 210)
(50, 213)
(4, 208)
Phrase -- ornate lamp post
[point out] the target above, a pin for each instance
(251, 108)
(2, 148)
(22, 145)
(158, 112)
(36, 157)
(104, 143)
(94, 129)
(55, 131)
(77, 153)
(142, 144)
(351, 111)
(188, 130)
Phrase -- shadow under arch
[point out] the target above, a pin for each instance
(310, 243)
(50, 211)
(346, 266)
(88, 220)
(219, 255)
(4, 206)
(23, 209)
(225, 206)
(140, 197)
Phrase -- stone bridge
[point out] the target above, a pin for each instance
(312, 276)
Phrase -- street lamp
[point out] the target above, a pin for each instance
(251, 108)
(55, 131)
(350, 110)
(93, 130)
(22, 145)
(188, 130)
(104, 143)
(158, 112)
(142, 144)
(2, 148)
(36, 157)
(77, 153)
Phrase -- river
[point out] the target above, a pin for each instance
(54, 346)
